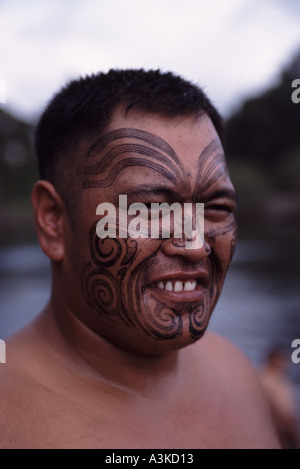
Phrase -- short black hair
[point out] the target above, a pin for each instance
(82, 109)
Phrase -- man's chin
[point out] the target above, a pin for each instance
(142, 344)
(173, 323)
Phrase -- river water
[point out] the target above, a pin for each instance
(259, 307)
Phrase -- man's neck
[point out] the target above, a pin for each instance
(105, 362)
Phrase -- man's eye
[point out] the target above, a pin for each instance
(220, 208)
(154, 208)
(217, 211)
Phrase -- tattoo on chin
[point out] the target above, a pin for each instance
(170, 321)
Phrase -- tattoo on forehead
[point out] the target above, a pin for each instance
(157, 155)
(208, 173)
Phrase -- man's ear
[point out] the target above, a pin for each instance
(49, 210)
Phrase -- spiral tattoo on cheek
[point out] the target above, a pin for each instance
(102, 288)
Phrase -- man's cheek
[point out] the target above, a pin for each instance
(114, 272)
(228, 249)
(233, 244)
(224, 248)
(106, 267)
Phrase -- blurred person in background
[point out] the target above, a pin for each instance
(281, 395)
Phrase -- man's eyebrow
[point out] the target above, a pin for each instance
(227, 193)
(146, 190)
(151, 190)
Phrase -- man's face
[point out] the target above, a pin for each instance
(151, 295)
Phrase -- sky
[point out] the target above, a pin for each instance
(233, 48)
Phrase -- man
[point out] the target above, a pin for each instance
(119, 358)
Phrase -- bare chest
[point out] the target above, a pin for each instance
(128, 423)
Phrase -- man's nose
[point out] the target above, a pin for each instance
(193, 252)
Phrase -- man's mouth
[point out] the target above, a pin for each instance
(181, 287)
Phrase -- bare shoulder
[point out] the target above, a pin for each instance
(22, 393)
(247, 409)
(13, 392)
(225, 353)
(233, 366)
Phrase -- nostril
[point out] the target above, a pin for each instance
(179, 243)
(193, 251)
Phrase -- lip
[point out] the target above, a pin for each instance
(182, 296)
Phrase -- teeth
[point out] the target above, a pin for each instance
(190, 285)
(177, 285)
